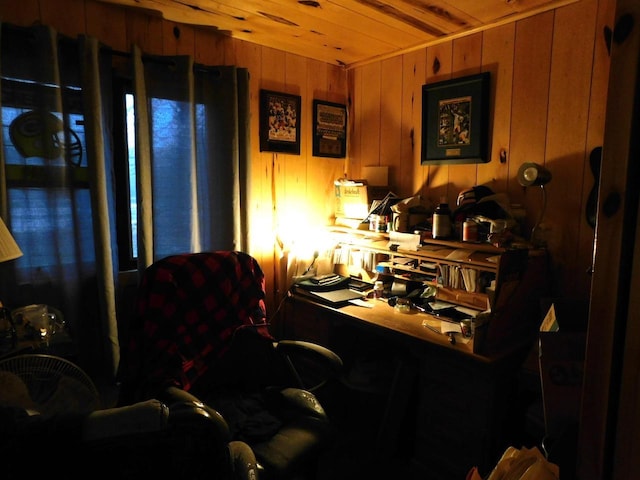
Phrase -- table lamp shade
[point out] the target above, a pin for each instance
(9, 249)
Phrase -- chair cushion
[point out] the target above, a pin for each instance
(247, 415)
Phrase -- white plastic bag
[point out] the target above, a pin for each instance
(524, 464)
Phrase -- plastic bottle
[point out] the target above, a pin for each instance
(378, 289)
(441, 228)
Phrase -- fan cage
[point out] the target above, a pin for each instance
(43, 373)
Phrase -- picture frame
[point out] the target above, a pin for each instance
(329, 129)
(280, 115)
(455, 120)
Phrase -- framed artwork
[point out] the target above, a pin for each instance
(329, 129)
(455, 120)
(279, 122)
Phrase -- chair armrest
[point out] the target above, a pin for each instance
(312, 365)
(244, 463)
(174, 411)
(150, 416)
(182, 404)
(313, 349)
(150, 438)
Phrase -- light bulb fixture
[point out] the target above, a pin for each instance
(530, 174)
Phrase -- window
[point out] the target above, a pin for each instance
(46, 169)
(125, 170)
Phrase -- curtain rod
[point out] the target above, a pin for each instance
(198, 67)
(103, 47)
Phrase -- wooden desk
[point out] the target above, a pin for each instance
(463, 399)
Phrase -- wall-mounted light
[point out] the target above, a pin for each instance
(530, 174)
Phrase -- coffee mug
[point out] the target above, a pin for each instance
(405, 221)
(378, 223)
(400, 222)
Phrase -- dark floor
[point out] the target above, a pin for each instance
(368, 448)
(360, 450)
(353, 459)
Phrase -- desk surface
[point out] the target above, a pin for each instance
(381, 315)
(463, 399)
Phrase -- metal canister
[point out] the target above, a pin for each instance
(466, 327)
(469, 231)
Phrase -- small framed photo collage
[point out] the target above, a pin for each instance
(280, 126)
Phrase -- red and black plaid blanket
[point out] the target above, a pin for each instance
(187, 309)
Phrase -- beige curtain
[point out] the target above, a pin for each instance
(192, 134)
(56, 189)
(57, 186)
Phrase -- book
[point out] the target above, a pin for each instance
(334, 282)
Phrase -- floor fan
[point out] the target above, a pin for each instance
(46, 384)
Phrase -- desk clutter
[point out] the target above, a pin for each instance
(454, 321)
(479, 215)
(462, 355)
(456, 318)
(461, 288)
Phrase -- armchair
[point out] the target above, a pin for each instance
(51, 423)
(200, 331)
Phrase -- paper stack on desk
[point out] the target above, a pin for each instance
(448, 326)
(333, 298)
(404, 241)
(339, 296)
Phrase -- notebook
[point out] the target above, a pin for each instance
(337, 297)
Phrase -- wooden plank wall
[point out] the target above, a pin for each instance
(549, 76)
(549, 83)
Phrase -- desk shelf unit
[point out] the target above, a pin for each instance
(475, 275)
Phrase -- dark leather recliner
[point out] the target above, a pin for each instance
(52, 424)
(200, 329)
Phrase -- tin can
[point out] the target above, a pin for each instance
(469, 231)
(466, 327)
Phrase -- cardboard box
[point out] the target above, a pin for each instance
(351, 200)
(562, 345)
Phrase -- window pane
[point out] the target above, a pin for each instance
(40, 135)
(131, 155)
(172, 157)
(53, 228)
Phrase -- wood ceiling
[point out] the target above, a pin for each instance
(344, 32)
